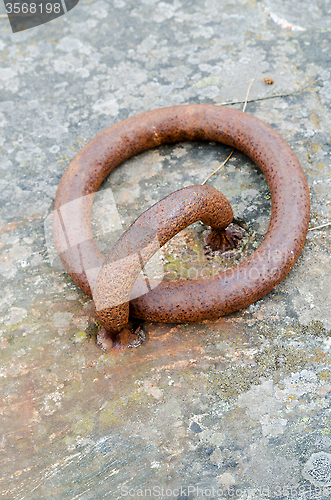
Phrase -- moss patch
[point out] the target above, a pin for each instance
(273, 362)
(230, 383)
(324, 375)
(316, 328)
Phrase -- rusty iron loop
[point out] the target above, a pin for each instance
(117, 282)
(184, 300)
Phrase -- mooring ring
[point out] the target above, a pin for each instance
(206, 298)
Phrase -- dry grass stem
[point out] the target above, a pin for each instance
(221, 165)
(267, 97)
(268, 81)
(244, 108)
(320, 227)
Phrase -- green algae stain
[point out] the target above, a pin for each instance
(133, 406)
(81, 421)
(83, 426)
(79, 337)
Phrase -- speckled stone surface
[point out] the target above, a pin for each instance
(239, 407)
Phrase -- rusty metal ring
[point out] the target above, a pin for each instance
(209, 298)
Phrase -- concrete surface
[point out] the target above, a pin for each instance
(239, 407)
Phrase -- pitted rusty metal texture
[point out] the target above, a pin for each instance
(184, 301)
(143, 239)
